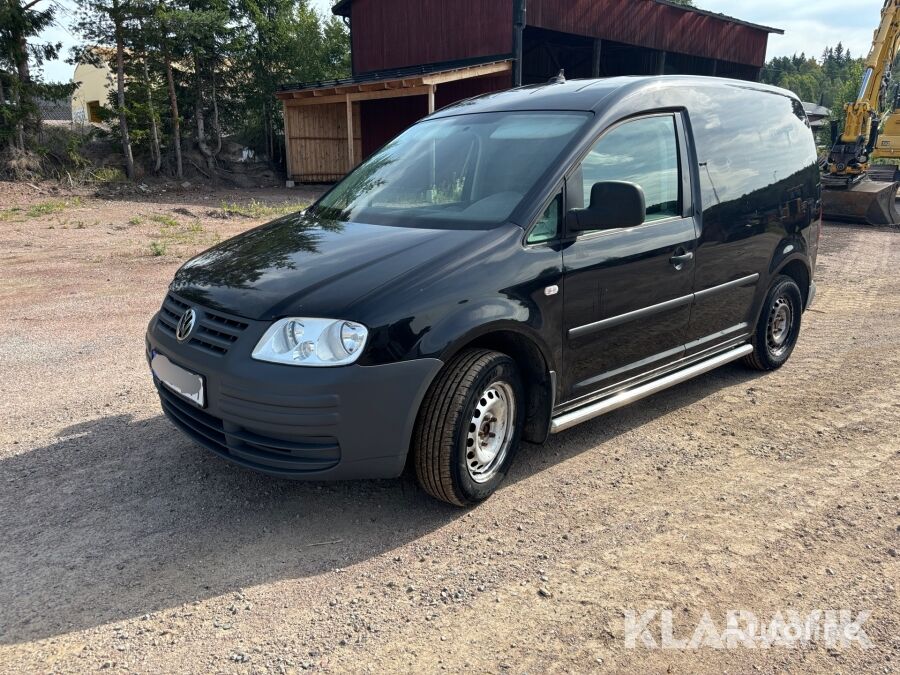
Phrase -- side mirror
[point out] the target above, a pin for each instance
(614, 204)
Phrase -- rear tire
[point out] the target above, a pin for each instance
(469, 427)
(778, 327)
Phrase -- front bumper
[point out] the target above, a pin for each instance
(303, 423)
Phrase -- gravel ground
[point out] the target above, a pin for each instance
(127, 548)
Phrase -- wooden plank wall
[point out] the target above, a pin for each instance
(644, 23)
(399, 33)
(317, 141)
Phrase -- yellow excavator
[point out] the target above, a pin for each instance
(854, 188)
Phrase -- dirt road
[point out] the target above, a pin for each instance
(127, 548)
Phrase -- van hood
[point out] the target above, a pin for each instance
(299, 265)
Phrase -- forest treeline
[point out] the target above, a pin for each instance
(187, 72)
(832, 80)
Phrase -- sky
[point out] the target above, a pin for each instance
(809, 26)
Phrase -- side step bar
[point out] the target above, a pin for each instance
(623, 398)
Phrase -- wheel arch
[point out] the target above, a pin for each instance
(534, 363)
(797, 269)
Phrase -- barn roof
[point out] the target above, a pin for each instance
(342, 8)
(406, 77)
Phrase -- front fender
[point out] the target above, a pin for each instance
(454, 331)
(512, 330)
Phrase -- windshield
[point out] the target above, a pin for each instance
(464, 171)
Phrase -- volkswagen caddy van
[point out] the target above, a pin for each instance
(505, 269)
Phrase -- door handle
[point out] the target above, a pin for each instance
(679, 260)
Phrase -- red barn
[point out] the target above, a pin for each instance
(413, 56)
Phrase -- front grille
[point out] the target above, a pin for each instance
(246, 447)
(214, 333)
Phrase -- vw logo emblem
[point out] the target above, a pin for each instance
(186, 325)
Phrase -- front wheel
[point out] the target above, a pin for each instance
(469, 426)
(778, 327)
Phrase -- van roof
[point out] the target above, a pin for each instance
(590, 95)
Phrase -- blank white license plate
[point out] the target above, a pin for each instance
(181, 381)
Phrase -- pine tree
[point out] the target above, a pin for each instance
(104, 23)
(20, 53)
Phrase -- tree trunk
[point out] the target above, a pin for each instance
(270, 132)
(22, 95)
(3, 103)
(205, 150)
(120, 85)
(217, 128)
(154, 128)
(176, 123)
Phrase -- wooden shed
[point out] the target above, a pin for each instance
(411, 57)
(332, 126)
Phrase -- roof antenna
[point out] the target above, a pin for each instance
(559, 79)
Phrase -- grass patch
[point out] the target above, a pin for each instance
(52, 206)
(48, 208)
(135, 220)
(183, 234)
(173, 233)
(11, 214)
(108, 175)
(164, 220)
(256, 209)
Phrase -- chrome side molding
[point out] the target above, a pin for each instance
(650, 310)
(623, 398)
(727, 286)
(641, 313)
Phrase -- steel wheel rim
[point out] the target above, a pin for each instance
(781, 320)
(490, 432)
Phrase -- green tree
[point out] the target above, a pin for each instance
(832, 81)
(217, 63)
(21, 57)
(105, 22)
(283, 41)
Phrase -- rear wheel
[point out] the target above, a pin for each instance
(469, 427)
(778, 327)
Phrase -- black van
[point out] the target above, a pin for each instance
(505, 269)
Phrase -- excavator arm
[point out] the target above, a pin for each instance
(850, 191)
(850, 154)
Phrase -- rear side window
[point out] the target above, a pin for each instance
(643, 151)
(747, 141)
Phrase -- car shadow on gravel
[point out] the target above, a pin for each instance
(122, 517)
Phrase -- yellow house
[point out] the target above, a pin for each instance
(93, 86)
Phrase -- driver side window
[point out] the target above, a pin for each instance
(645, 152)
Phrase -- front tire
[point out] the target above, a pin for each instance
(778, 327)
(469, 427)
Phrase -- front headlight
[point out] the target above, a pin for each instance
(312, 342)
